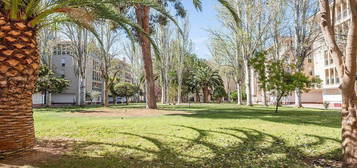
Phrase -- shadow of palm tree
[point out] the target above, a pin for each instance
(318, 117)
(248, 148)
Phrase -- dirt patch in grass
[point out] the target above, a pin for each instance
(109, 112)
(44, 151)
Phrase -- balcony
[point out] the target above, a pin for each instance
(332, 81)
(338, 17)
(345, 13)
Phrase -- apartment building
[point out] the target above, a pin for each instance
(324, 65)
(320, 63)
(64, 65)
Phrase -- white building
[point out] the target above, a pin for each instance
(324, 65)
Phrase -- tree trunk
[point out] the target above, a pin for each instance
(143, 18)
(19, 64)
(164, 87)
(248, 83)
(197, 97)
(265, 101)
(298, 102)
(277, 104)
(347, 71)
(115, 100)
(179, 92)
(83, 92)
(239, 94)
(205, 94)
(106, 95)
(48, 99)
(79, 91)
(163, 94)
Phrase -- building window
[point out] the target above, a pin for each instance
(63, 62)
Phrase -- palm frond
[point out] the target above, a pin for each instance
(31, 8)
(14, 8)
(231, 9)
(197, 4)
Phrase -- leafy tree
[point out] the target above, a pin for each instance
(125, 90)
(48, 82)
(91, 95)
(234, 96)
(281, 80)
(114, 81)
(258, 63)
(219, 93)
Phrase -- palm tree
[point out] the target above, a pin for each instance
(142, 12)
(20, 22)
(207, 79)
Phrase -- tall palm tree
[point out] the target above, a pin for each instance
(20, 22)
(142, 12)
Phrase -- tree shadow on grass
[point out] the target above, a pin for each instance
(326, 118)
(247, 148)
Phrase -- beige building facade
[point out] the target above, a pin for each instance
(320, 64)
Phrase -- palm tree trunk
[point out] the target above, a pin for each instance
(143, 18)
(205, 94)
(19, 64)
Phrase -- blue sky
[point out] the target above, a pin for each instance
(200, 21)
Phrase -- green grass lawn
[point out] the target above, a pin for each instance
(213, 136)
